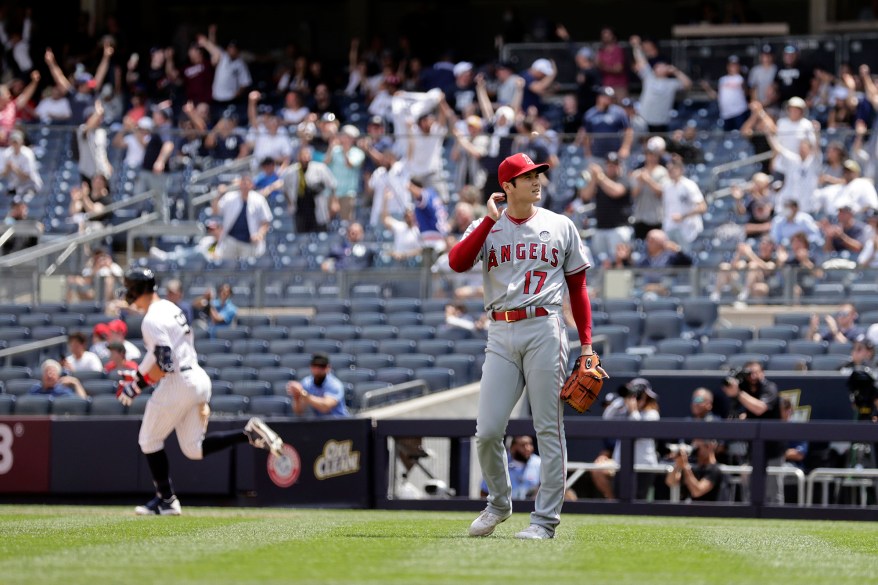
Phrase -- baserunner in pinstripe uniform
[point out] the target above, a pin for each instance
(182, 392)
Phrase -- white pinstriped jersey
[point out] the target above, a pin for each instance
(165, 325)
(524, 264)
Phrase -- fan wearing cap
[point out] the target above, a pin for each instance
(761, 76)
(791, 221)
(606, 128)
(117, 361)
(117, 330)
(794, 77)
(640, 403)
(538, 80)
(848, 234)
(225, 141)
(858, 192)
(345, 161)
(791, 129)
(529, 256)
(800, 168)
(18, 167)
(862, 354)
(588, 77)
(231, 76)
(464, 95)
(868, 257)
(320, 395)
(731, 95)
(133, 137)
(661, 83)
(267, 138)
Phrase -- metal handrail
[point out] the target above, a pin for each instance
(829, 473)
(32, 345)
(31, 254)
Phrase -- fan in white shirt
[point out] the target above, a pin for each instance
(80, 359)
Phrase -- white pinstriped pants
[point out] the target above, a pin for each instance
(176, 405)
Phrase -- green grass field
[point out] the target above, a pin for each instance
(96, 545)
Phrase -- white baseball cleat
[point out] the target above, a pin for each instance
(169, 507)
(262, 437)
(487, 521)
(534, 532)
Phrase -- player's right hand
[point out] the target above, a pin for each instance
(128, 389)
(493, 202)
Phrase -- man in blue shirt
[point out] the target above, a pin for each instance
(319, 395)
(606, 128)
(55, 384)
(220, 311)
(524, 469)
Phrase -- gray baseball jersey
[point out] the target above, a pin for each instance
(179, 401)
(524, 262)
(524, 265)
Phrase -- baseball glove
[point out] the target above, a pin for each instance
(584, 384)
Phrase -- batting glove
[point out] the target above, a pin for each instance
(130, 387)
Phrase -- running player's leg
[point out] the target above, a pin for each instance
(159, 419)
(501, 387)
(545, 365)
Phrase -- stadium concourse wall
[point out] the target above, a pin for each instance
(345, 462)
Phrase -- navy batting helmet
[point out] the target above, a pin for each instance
(138, 281)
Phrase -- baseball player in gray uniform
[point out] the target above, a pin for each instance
(182, 392)
(528, 254)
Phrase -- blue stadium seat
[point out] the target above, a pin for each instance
(621, 362)
(277, 374)
(7, 404)
(285, 346)
(723, 346)
(270, 332)
(19, 386)
(829, 362)
(785, 332)
(374, 361)
(33, 404)
(662, 361)
(322, 345)
(417, 332)
(220, 387)
(437, 378)
(679, 346)
(839, 348)
(402, 305)
(742, 333)
(231, 404)
(766, 346)
(801, 320)
(378, 332)
(223, 360)
(700, 314)
(254, 320)
(789, 361)
(435, 347)
(291, 321)
(98, 387)
(739, 360)
(807, 347)
(358, 346)
(363, 318)
(235, 374)
(397, 346)
(233, 333)
(394, 375)
(251, 388)
(106, 405)
(704, 361)
(271, 405)
(414, 360)
(660, 324)
(70, 406)
(341, 332)
(462, 365)
(361, 392)
(401, 318)
(634, 321)
(15, 373)
(245, 346)
(327, 319)
(261, 360)
(341, 360)
(354, 375)
(366, 305)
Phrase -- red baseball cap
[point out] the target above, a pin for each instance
(118, 326)
(516, 165)
(101, 330)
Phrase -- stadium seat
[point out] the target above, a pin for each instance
(660, 304)
(366, 305)
(378, 332)
(301, 362)
(230, 405)
(277, 374)
(285, 346)
(361, 392)
(261, 360)
(291, 321)
(341, 332)
(435, 347)
(245, 346)
(435, 305)
(19, 386)
(354, 375)
(402, 318)
(801, 320)
(271, 406)
(374, 361)
(613, 306)
(417, 332)
(829, 362)
(766, 346)
(723, 346)
(840, 348)
(865, 303)
(742, 333)
(634, 321)
(232, 333)
(327, 319)
(270, 332)
(363, 318)
(454, 333)
(740, 360)
(341, 360)
(617, 337)
(220, 387)
(437, 379)
(679, 346)
(621, 362)
(70, 321)
(322, 346)
(223, 360)
(99, 387)
(47, 332)
(254, 320)
(83, 375)
(33, 404)
(327, 305)
(70, 406)
(138, 407)
(358, 346)
(106, 405)
(471, 346)
(251, 388)
(397, 346)
(7, 404)
(785, 332)
(807, 347)
(402, 305)
(209, 346)
(414, 360)
(394, 375)
(32, 320)
(704, 361)
(235, 374)
(662, 361)
(85, 307)
(660, 325)
(789, 361)
(438, 318)
(462, 365)
(15, 373)
(700, 314)
(14, 333)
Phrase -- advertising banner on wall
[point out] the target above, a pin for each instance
(24, 454)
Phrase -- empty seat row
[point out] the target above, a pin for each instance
(634, 364)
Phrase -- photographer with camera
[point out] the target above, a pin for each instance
(702, 481)
(751, 395)
(862, 385)
(862, 355)
(641, 403)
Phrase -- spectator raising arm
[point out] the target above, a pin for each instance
(56, 72)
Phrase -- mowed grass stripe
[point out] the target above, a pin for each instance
(219, 546)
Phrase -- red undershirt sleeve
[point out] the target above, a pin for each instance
(464, 253)
(580, 306)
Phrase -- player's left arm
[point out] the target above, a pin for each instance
(575, 266)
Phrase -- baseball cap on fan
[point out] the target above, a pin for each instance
(517, 165)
